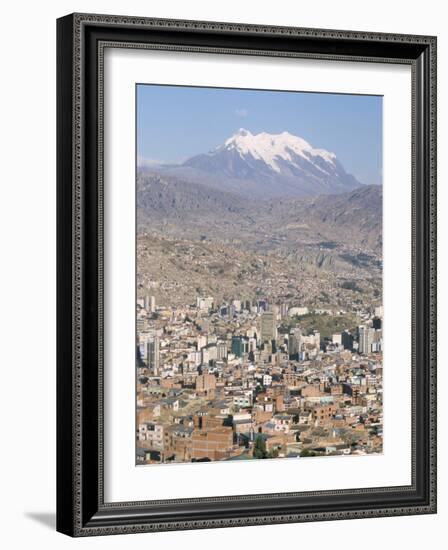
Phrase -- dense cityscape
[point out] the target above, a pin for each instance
(251, 379)
(259, 282)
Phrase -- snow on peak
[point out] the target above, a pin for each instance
(271, 148)
(243, 132)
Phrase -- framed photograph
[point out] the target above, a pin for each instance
(246, 274)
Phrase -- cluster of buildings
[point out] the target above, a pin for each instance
(243, 379)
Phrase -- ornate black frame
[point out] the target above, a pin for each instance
(81, 39)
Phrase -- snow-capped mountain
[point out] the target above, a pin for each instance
(279, 152)
(268, 165)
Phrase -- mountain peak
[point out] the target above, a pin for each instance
(268, 165)
(272, 149)
(242, 132)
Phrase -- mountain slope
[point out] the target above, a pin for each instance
(354, 216)
(162, 197)
(180, 208)
(203, 241)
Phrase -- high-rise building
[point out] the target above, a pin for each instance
(252, 344)
(195, 357)
(294, 342)
(312, 340)
(224, 311)
(209, 353)
(150, 303)
(347, 340)
(366, 339)
(377, 322)
(379, 312)
(222, 350)
(239, 346)
(268, 327)
(204, 304)
(377, 344)
(337, 339)
(237, 305)
(153, 354)
(201, 341)
(211, 339)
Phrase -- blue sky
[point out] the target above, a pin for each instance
(176, 122)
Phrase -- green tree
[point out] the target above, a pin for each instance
(259, 447)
